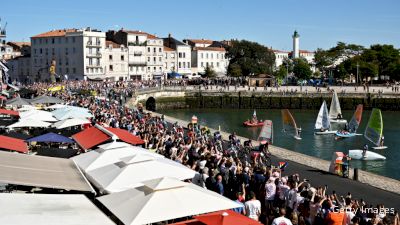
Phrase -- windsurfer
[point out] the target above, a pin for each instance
(382, 141)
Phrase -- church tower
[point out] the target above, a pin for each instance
(296, 47)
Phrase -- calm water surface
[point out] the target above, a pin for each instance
(321, 146)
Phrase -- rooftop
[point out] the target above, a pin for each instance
(55, 33)
(139, 32)
(209, 49)
(19, 44)
(201, 41)
(166, 49)
(113, 44)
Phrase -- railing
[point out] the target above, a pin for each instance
(138, 63)
(93, 43)
(94, 55)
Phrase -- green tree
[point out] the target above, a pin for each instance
(209, 72)
(301, 68)
(235, 70)
(281, 72)
(251, 57)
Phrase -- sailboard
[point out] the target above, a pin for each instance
(289, 124)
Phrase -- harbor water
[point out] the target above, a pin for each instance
(321, 146)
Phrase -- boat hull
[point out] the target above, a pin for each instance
(249, 124)
(325, 132)
(380, 147)
(346, 135)
(357, 154)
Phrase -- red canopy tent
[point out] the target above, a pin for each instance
(9, 112)
(125, 136)
(13, 144)
(224, 217)
(90, 137)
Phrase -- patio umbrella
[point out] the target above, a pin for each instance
(101, 157)
(38, 115)
(69, 112)
(44, 99)
(70, 123)
(56, 106)
(26, 108)
(226, 217)
(29, 123)
(163, 199)
(113, 145)
(133, 170)
(18, 101)
(51, 137)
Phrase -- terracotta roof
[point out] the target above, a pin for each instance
(114, 45)
(55, 33)
(19, 43)
(209, 49)
(149, 36)
(279, 51)
(305, 51)
(166, 49)
(201, 41)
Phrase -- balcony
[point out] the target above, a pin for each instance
(93, 44)
(94, 66)
(94, 55)
(137, 53)
(137, 43)
(138, 63)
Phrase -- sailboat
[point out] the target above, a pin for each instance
(254, 122)
(373, 133)
(323, 123)
(353, 125)
(266, 134)
(335, 112)
(374, 130)
(289, 124)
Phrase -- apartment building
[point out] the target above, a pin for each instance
(177, 56)
(77, 53)
(145, 53)
(208, 53)
(116, 61)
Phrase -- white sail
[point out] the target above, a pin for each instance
(323, 120)
(335, 109)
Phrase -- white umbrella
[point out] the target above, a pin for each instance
(27, 108)
(163, 199)
(100, 157)
(114, 144)
(133, 170)
(69, 113)
(38, 115)
(70, 123)
(29, 123)
(56, 106)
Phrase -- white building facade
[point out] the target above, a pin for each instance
(206, 54)
(116, 61)
(280, 57)
(77, 53)
(179, 56)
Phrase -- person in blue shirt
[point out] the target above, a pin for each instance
(219, 186)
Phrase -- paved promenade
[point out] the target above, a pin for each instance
(373, 188)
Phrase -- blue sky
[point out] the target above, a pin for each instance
(320, 23)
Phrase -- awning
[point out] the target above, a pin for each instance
(51, 137)
(90, 137)
(9, 112)
(41, 171)
(125, 136)
(49, 209)
(13, 144)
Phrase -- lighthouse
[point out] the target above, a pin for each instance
(296, 40)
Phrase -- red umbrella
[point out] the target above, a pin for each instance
(226, 217)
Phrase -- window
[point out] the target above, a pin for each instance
(87, 70)
(66, 51)
(59, 62)
(67, 70)
(201, 55)
(122, 57)
(180, 65)
(159, 50)
(148, 49)
(154, 50)
(47, 50)
(184, 55)
(211, 55)
(165, 55)
(111, 68)
(40, 41)
(59, 40)
(180, 55)
(188, 64)
(66, 62)
(66, 39)
(217, 64)
(155, 69)
(60, 70)
(73, 50)
(52, 41)
(154, 59)
(160, 69)
(202, 65)
(148, 69)
(184, 65)
(217, 56)
(74, 70)
(34, 50)
(73, 39)
(90, 61)
(110, 57)
(53, 51)
(47, 41)
(206, 55)
(159, 59)
(148, 59)
(212, 65)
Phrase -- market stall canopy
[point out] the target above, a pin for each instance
(41, 171)
(13, 144)
(29, 123)
(102, 157)
(90, 138)
(44, 99)
(113, 145)
(125, 136)
(18, 101)
(133, 170)
(9, 112)
(163, 199)
(38, 115)
(70, 123)
(56, 106)
(71, 112)
(51, 137)
(49, 209)
(225, 217)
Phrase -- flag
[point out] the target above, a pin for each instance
(254, 113)
(282, 165)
